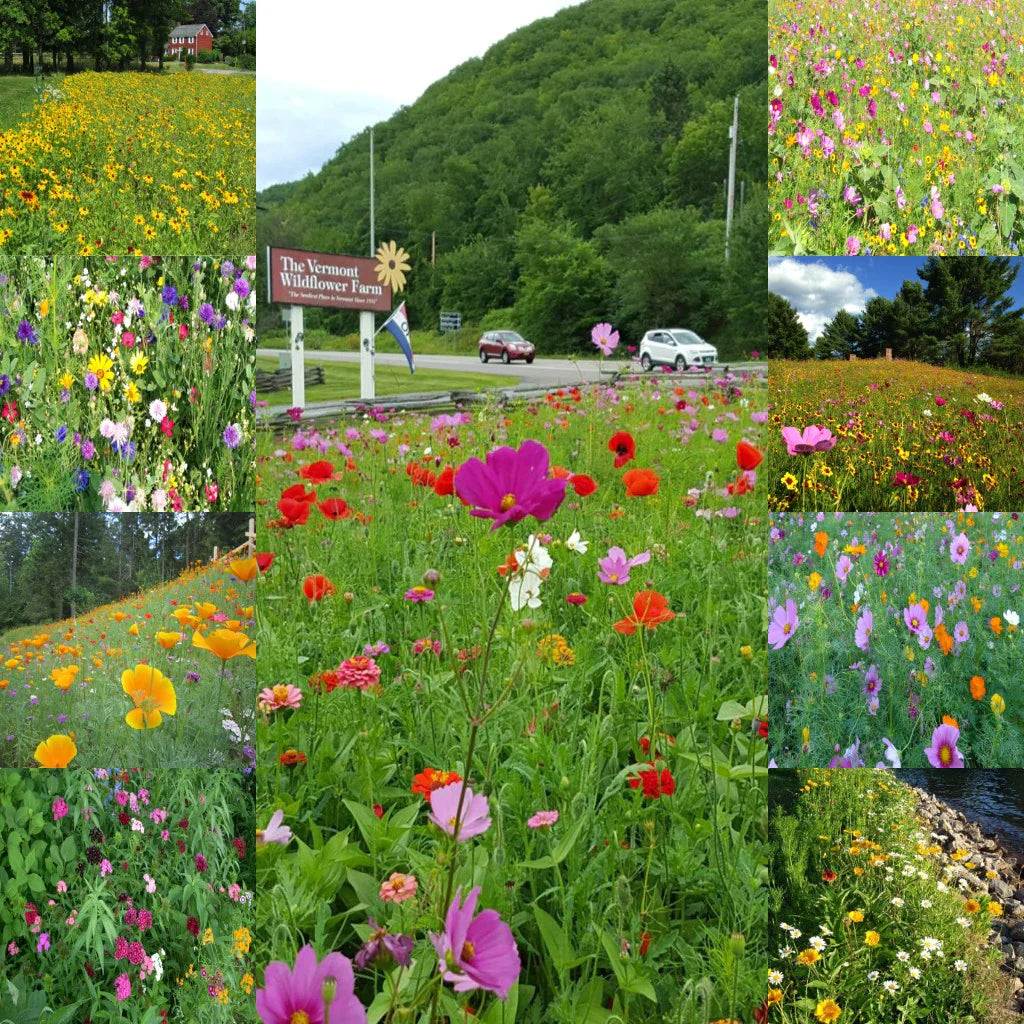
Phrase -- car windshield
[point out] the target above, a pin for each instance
(509, 336)
(686, 338)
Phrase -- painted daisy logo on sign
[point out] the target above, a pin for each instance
(392, 265)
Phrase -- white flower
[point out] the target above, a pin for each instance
(983, 397)
(926, 412)
(890, 987)
(157, 410)
(1012, 618)
(915, 973)
(524, 591)
(231, 300)
(872, 975)
(926, 904)
(158, 965)
(817, 943)
(576, 543)
(785, 952)
(795, 933)
(896, 901)
(775, 977)
(903, 955)
(964, 922)
(960, 965)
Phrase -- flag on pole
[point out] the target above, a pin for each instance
(397, 325)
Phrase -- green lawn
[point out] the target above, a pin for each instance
(17, 94)
(343, 382)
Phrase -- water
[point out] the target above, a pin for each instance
(991, 797)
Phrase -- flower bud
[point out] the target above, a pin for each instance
(431, 578)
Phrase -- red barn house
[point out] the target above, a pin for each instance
(189, 39)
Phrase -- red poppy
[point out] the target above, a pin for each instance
(640, 483)
(656, 783)
(650, 609)
(429, 779)
(741, 485)
(334, 508)
(293, 513)
(582, 484)
(445, 483)
(317, 587)
(317, 472)
(297, 492)
(264, 560)
(747, 456)
(762, 728)
(624, 447)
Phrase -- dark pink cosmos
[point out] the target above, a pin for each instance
(811, 439)
(291, 991)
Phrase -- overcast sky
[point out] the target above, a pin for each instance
(327, 71)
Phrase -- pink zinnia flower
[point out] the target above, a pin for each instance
(419, 594)
(359, 672)
(811, 439)
(511, 485)
(615, 566)
(296, 993)
(475, 816)
(272, 698)
(543, 819)
(398, 888)
(476, 952)
(783, 625)
(943, 753)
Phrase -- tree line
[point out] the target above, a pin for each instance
(58, 564)
(958, 313)
(111, 34)
(573, 174)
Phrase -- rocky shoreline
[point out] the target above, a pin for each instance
(957, 832)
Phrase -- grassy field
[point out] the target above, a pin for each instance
(417, 639)
(67, 678)
(903, 435)
(343, 381)
(17, 94)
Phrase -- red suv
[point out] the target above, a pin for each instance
(506, 346)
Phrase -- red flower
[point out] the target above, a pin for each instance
(193, 925)
(334, 508)
(582, 484)
(429, 779)
(640, 483)
(445, 482)
(747, 456)
(645, 942)
(624, 447)
(828, 876)
(264, 560)
(761, 1013)
(656, 783)
(378, 810)
(293, 513)
(31, 914)
(762, 728)
(167, 425)
(317, 587)
(317, 472)
(292, 757)
(650, 609)
(299, 493)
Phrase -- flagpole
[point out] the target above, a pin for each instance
(367, 385)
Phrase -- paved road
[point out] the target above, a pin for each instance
(543, 372)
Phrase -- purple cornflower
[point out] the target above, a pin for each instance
(26, 334)
(169, 295)
(242, 288)
(207, 314)
(232, 435)
(92, 382)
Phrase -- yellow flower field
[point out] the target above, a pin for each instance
(127, 162)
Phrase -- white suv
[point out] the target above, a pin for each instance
(677, 348)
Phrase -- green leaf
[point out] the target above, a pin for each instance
(35, 883)
(555, 940)
(366, 821)
(67, 849)
(611, 947)
(729, 710)
(561, 849)
(1006, 214)
(639, 984)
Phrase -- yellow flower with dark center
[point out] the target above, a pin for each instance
(391, 266)
(153, 694)
(102, 366)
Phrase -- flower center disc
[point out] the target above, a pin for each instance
(507, 502)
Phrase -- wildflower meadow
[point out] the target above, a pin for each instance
(128, 897)
(512, 711)
(892, 436)
(871, 919)
(894, 132)
(164, 677)
(127, 162)
(126, 383)
(895, 640)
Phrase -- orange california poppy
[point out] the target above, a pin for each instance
(153, 694)
(820, 543)
(225, 644)
(168, 640)
(640, 483)
(204, 609)
(747, 456)
(244, 569)
(133, 629)
(63, 677)
(120, 616)
(977, 687)
(57, 751)
(650, 609)
(945, 641)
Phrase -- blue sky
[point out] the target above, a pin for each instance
(819, 286)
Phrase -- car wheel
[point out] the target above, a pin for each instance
(483, 356)
(680, 363)
(529, 359)
(645, 362)
(504, 356)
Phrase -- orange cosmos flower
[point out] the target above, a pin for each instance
(225, 644)
(168, 640)
(650, 609)
(977, 687)
(57, 751)
(640, 483)
(820, 543)
(244, 569)
(996, 624)
(152, 693)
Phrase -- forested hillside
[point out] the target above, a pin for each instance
(573, 174)
(55, 560)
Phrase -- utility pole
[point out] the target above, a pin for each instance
(733, 135)
(367, 383)
(433, 248)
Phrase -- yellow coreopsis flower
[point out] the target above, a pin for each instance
(139, 362)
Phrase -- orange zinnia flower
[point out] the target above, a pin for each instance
(650, 609)
(640, 483)
(153, 694)
(977, 687)
(225, 644)
(429, 779)
(57, 751)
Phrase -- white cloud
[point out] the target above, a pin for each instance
(816, 291)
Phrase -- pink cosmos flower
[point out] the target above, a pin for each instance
(866, 622)
(604, 338)
(843, 567)
(915, 617)
(398, 888)
(511, 485)
(273, 698)
(783, 625)
(811, 439)
(474, 819)
(943, 752)
(296, 993)
(615, 566)
(958, 549)
(543, 819)
(476, 952)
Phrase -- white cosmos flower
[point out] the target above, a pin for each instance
(1012, 618)
(576, 543)
(524, 591)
